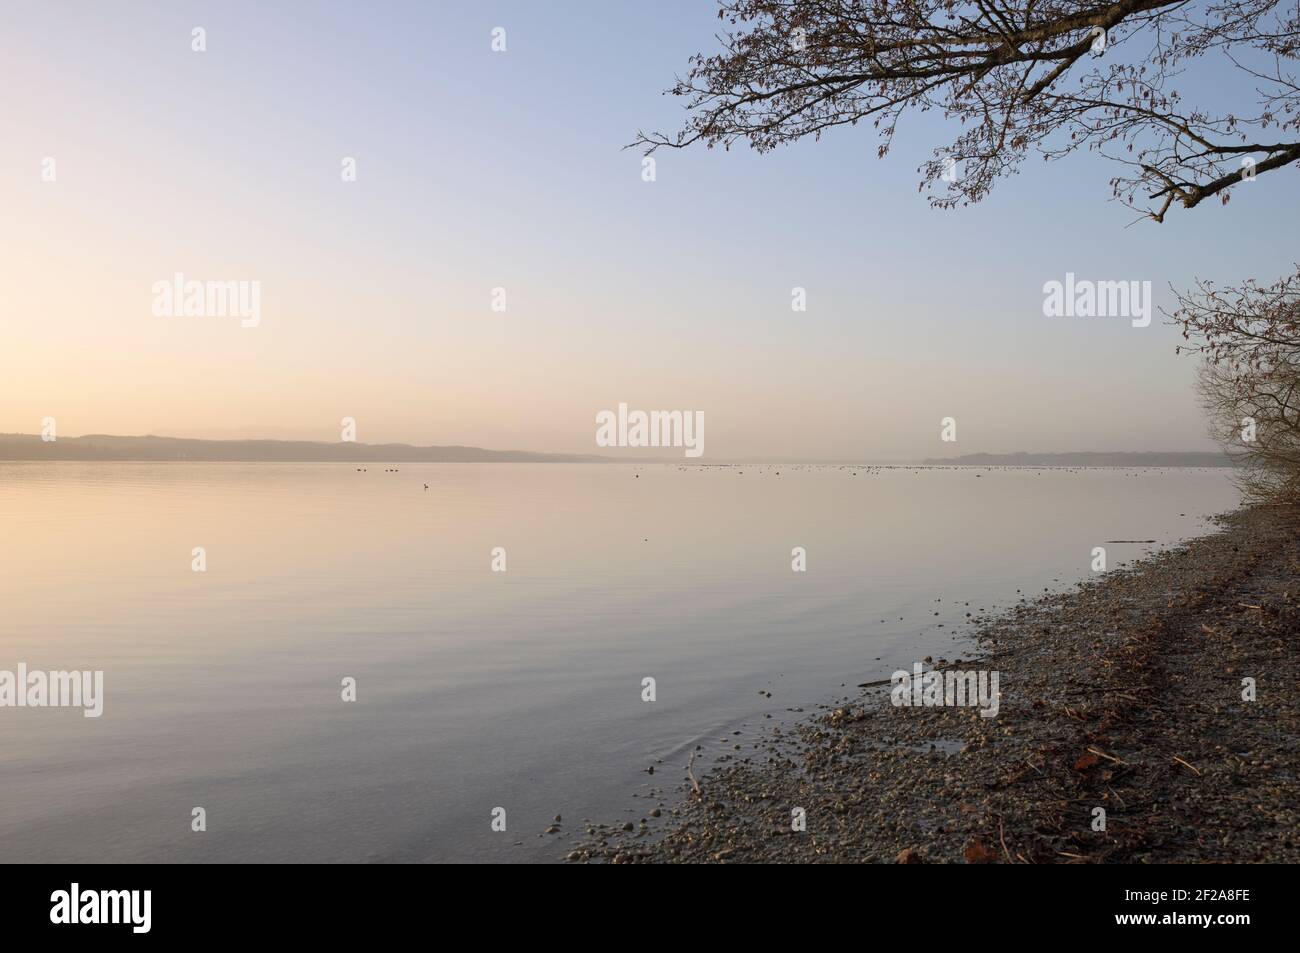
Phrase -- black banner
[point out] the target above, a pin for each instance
(139, 904)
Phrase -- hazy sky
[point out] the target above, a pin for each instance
(478, 170)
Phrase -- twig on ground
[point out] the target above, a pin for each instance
(691, 773)
(1101, 754)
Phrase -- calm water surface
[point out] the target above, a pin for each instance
(480, 689)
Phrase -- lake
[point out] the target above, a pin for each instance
(477, 689)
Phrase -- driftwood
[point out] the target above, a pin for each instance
(695, 785)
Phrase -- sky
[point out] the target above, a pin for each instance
(478, 170)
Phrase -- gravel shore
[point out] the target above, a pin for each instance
(1125, 694)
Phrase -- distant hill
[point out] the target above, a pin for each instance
(1118, 459)
(149, 448)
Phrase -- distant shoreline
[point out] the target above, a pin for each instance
(1146, 458)
(31, 448)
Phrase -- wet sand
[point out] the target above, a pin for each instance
(1125, 694)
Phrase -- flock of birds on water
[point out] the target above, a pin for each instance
(874, 469)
